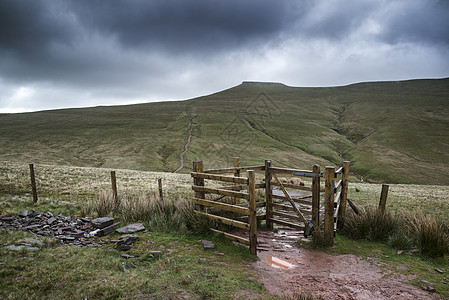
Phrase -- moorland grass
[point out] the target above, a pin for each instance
(391, 131)
(402, 230)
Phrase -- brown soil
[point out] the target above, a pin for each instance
(328, 276)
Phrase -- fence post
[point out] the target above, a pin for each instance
(114, 188)
(344, 194)
(236, 174)
(329, 207)
(316, 197)
(383, 197)
(198, 167)
(268, 192)
(33, 183)
(161, 195)
(252, 212)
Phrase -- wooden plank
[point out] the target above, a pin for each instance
(339, 171)
(344, 195)
(289, 208)
(241, 180)
(236, 200)
(296, 200)
(293, 186)
(383, 197)
(232, 237)
(161, 194)
(306, 173)
(268, 192)
(337, 198)
(329, 206)
(224, 220)
(288, 216)
(245, 218)
(241, 187)
(299, 227)
(198, 167)
(114, 188)
(338, 185)
(232, 170)
(219, 192)
(33, 183)
(316, 198)
(252, 215)
(223, 206)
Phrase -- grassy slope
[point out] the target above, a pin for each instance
(393, 131)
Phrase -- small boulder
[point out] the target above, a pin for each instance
(207, 245)
(126, 241)
(23, 213)
(102, 222)
(131, 228)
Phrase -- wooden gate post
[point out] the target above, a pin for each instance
(236, 174)
(316, 197)
(383, 197)
(161, 194)
(268, 192)
(33, 183)
(344, 194)
(114, 188)
(252, 212)
(329, 207)
(198, 167)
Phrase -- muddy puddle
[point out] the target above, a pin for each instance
(286, 271)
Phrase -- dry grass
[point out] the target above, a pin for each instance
(402, 230)
(169, 215)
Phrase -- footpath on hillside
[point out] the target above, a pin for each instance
(186, 147)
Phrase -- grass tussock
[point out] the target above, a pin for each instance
(169, 215)
(402, 230)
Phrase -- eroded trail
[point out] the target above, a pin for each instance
(186, 147)
(310, 272)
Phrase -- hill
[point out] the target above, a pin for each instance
(392, 131)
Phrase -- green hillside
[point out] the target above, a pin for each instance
(392, 131)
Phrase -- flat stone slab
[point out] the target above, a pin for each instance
(102, 222)
(20, 247)
(207, 245)
(131, 228)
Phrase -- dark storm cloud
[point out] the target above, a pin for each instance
(137, 49)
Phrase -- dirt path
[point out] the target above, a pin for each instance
(321, 274)
(186, 147)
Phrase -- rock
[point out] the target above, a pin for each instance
(427, 288)
(35, 241)
(48, 214)
(399, 252)
(66, 238)
(107, 230)
(125, 255)
(207, 245)
(403, 267)
(102, 222)
(20, 247)
(426, 282)
(125, 242)
(51, 220)
(439, 271)
(131, 228)
(23, 213)
(156, 253)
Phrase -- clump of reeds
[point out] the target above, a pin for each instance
(171, 214)
(403, 230)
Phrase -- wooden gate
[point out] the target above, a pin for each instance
(296, 204)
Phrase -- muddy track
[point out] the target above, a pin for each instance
(310, 272)
(186, 147)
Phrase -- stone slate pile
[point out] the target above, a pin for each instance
(70, 230)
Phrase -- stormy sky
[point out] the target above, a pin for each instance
(57, 54)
